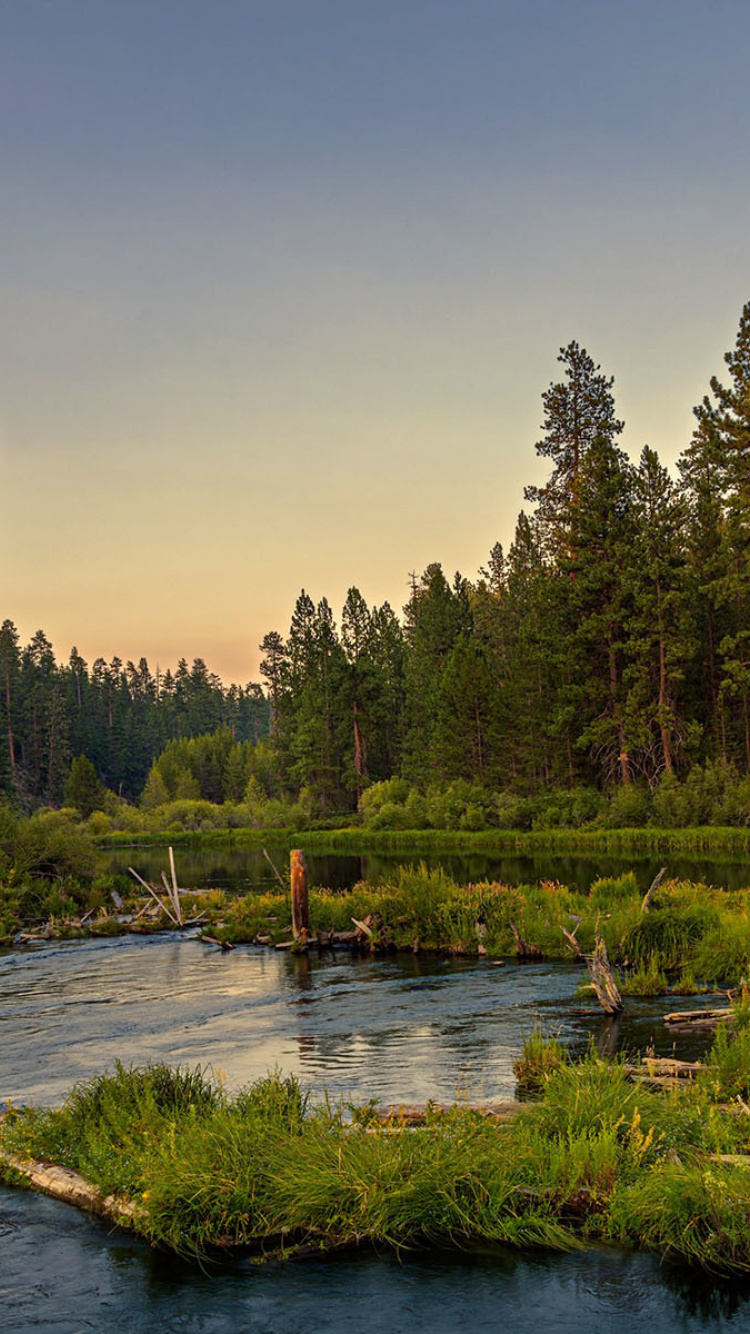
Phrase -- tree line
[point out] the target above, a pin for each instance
(118, 715)
(609, 645)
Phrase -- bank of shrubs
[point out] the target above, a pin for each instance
(47, 870)
(713, 794)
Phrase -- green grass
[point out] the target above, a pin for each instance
(596, 1159)
(355, 840)
(689, 931)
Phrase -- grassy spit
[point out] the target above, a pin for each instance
(596, 1159)
(691, 935)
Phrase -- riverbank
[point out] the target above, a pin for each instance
(597, 1159)
(415, 843)
(685, 937)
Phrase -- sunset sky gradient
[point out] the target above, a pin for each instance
(283, 281)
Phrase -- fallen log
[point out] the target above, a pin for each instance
(415, 1114)
(62, 1183)
(213, 940)
(663, 1071)
(697, 1020)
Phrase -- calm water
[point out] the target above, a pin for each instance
(399, 1029)
(242, 871)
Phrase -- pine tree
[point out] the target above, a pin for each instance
(577, 412)
(659, 628)
(435, 616)
(724, 421)
(598, 596)
(83, 789)
(10, 671)
(356, 638)
(462, 735)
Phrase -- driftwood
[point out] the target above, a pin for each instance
(273, 868)
(175, 890)
(415, 1114)
(696, 1020)
(213, 940)
(153, 894)
(602, 977)
(654, 886)
(570, 936)
(64, 1184)
(663, 1071)
(524, 950)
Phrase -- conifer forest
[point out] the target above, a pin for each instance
(607, 648)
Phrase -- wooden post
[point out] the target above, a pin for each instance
(300, 909)
(175, 890)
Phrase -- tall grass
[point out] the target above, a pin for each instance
(597, 1158)
(688, 929)
(416, 842)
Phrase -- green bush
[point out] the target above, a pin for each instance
(630, 807)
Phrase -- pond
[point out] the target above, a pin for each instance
(403, 1028)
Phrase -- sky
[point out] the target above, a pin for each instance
(282, 283)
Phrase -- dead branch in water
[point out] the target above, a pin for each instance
(602, 977)
(654, 886)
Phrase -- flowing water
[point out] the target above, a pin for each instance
(403, 1028)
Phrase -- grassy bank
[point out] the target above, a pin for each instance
(419, 842)
(691, 935)
(597, 1159)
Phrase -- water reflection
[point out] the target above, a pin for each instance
(245, 870)
(400, 1029)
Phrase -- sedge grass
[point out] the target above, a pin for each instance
(595, 1159)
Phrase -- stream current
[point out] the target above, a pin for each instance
(401, 1029)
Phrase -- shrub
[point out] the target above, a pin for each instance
(630, 807)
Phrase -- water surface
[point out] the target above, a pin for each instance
(245, 870)
(404, 1028)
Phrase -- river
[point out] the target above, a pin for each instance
(398, 1029)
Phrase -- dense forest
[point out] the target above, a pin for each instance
(607, 648)
(119, 715)
(609, 644)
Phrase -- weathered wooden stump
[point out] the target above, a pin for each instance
(602, 977)
(300, 906)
